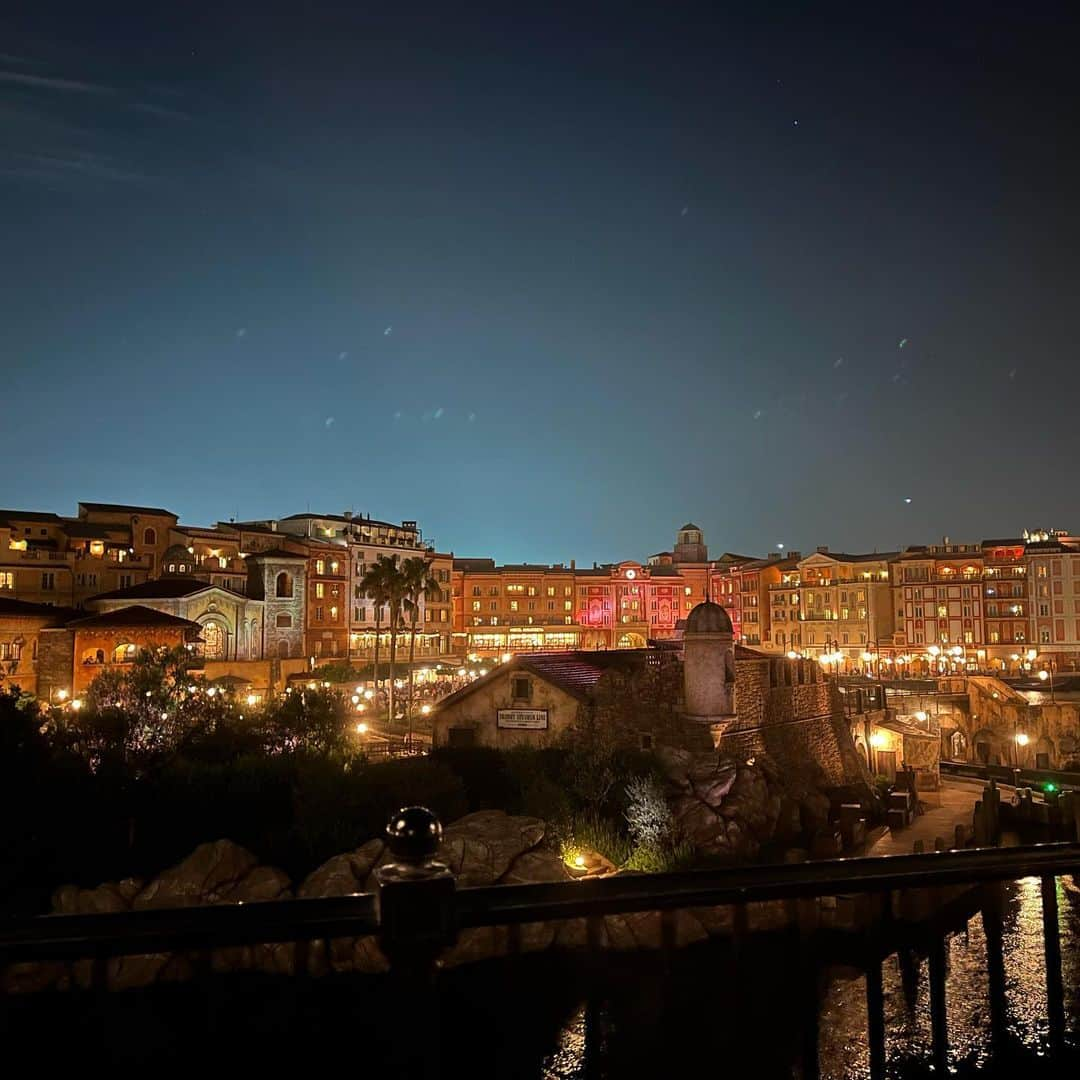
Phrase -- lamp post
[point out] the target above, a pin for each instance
(1048, 673)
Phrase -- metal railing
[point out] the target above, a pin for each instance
(418, 911)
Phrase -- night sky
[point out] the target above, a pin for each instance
(552, 286)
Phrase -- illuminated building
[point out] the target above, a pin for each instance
(1006, 606)
(937, 595)
(844, 606)
(1053, 579)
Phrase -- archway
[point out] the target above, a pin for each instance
(283, 649)
(214, 637)
(124, 653)
(631, 641)
(958, 746)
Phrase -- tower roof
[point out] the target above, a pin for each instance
(708, 618)
(691, 526)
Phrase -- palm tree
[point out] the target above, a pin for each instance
(419, 586)
(395, 598)
(375, 584)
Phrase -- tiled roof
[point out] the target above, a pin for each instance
(29, 515)
(844, 556)
(26, 609)
(82, 530)
(168, 588)
(121, 508)
(1011, 541)
(136, 615)
(277, 553)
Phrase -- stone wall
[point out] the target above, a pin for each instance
(788, 710)
(56, 659)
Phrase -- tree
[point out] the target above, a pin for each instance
(375, 585)
(395, 591)
(142, 714)
(419, 586)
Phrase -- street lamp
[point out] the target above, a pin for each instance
(1048, 673)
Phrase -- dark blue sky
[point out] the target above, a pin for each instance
(553, 286)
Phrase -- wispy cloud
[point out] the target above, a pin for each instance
(43, 82)
(82, 163)
(160, 110)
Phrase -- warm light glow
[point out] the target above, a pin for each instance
(483, 671)
(369, 694)
(792, 655)
(355, 699)
(867, 657)
(878, 740)
(1044, 675)
(361, 728)
(507, 657)
(934, 651)
(311, 686)
(211, 691)
(361, 707)
(62, 695)
(921, 716)
(579, 860)
(251, 699)
(1021, 739)
(1031, 654)
(76, 704)
(425, 709)
(462, 672)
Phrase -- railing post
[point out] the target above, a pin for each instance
(939, 1018)
(1055, 994)
(416, 922)
(995, 965)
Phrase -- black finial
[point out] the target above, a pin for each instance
(413, 834)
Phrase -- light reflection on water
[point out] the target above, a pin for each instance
(843, 1041)
(843, 1031)
(568, 1060)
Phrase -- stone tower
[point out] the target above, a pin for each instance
(690, 545)
(709, 667)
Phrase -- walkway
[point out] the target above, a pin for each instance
(958, 798)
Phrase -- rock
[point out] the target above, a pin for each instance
(202, 878)
(535, 866)
(345, 874)
(481, 847)
(111, 896)
(262, 883)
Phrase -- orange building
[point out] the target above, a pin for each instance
(115, 638)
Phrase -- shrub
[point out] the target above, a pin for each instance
(652, 858)
(489, 781)
(598, 834)
(648, 816)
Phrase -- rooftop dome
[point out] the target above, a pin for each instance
(708, 618)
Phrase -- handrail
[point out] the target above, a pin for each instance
(151, 930)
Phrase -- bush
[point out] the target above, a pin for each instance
(660, 858)
(648, 816)
(593, 833)
(489, 780)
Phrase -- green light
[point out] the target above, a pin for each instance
(1049, 786)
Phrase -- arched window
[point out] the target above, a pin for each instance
(284, 621)
(124, 653)
(213, 635)
(149, 537)
(283, 587)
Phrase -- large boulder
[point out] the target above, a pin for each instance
(209, 873)
(480, 848)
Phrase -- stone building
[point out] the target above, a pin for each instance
(231, 624)
(21, 624)
(113, 638)
(278, 578)
(55, 653)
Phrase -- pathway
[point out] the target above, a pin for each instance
(958, 798)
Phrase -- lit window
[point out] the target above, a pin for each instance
(320, 590)
(320, 566)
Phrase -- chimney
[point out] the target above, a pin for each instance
(573, 564)
(823, 549)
